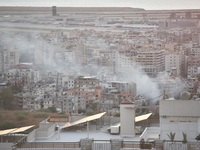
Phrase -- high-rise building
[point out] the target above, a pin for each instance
(151, 61)
(175, 64)
(54, 13)
(8, 57)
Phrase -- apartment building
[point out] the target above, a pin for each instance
(109, 60)
(193, 66)
(23, 71)
(124, 87)
(79, 103)
(194, 51)
(151, 61)
(8, 57)
(175, 64)
(86, 86)
(117, 61)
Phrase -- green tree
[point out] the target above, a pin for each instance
(117, 115)
(16, 88)
(89, 113)
(52, 109)
(94, 106)
(7, 125)
(171, 136)
(7, 100)
(184, 137)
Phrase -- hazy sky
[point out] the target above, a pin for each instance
(146, 4)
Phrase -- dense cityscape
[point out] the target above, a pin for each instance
(87, 62)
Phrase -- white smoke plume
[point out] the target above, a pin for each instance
(47, 52)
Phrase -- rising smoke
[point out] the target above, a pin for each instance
(43, 52)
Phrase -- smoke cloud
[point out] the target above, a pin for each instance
(44, 51)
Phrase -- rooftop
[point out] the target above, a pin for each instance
(74, 135)
(127, 102)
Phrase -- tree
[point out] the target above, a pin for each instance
(7, 100)
(89, 113)
(184, 137)
(52, 109)
(171, 136)
(7, 125)
(94, 106)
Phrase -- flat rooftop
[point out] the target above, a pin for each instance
(75, 134)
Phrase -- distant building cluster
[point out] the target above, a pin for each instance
(97, 68)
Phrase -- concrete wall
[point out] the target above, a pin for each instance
(127, 120)
(116, 144)
(75, 118)
(187, 108)
(31, 136)
(179, 116)
(178, 125)
(160, 145)
(194, 145)
(150, 133)
(45, 130)
(49, 149)
(6, 146)
(86, 144)
(101, 146)
(174, 146)
(111, 119)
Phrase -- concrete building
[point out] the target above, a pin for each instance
(175, 64)
(172, 86)
(8, 57)
(195, 51)
(127, 87)
(127, 119)
(193, 65)
(70, 83)
(178, 116)
(87, 86)
(23, 71)
(79, 103)
(151, 61)
(54, 13)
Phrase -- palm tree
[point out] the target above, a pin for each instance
(184, 137)
(171, 136)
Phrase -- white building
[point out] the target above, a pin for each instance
(70, 83)
(127, 119)
(174, 63)
(178, 116)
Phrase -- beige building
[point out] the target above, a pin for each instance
(151, 61)
(175, 64)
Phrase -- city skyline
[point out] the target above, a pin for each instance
(148, 5)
